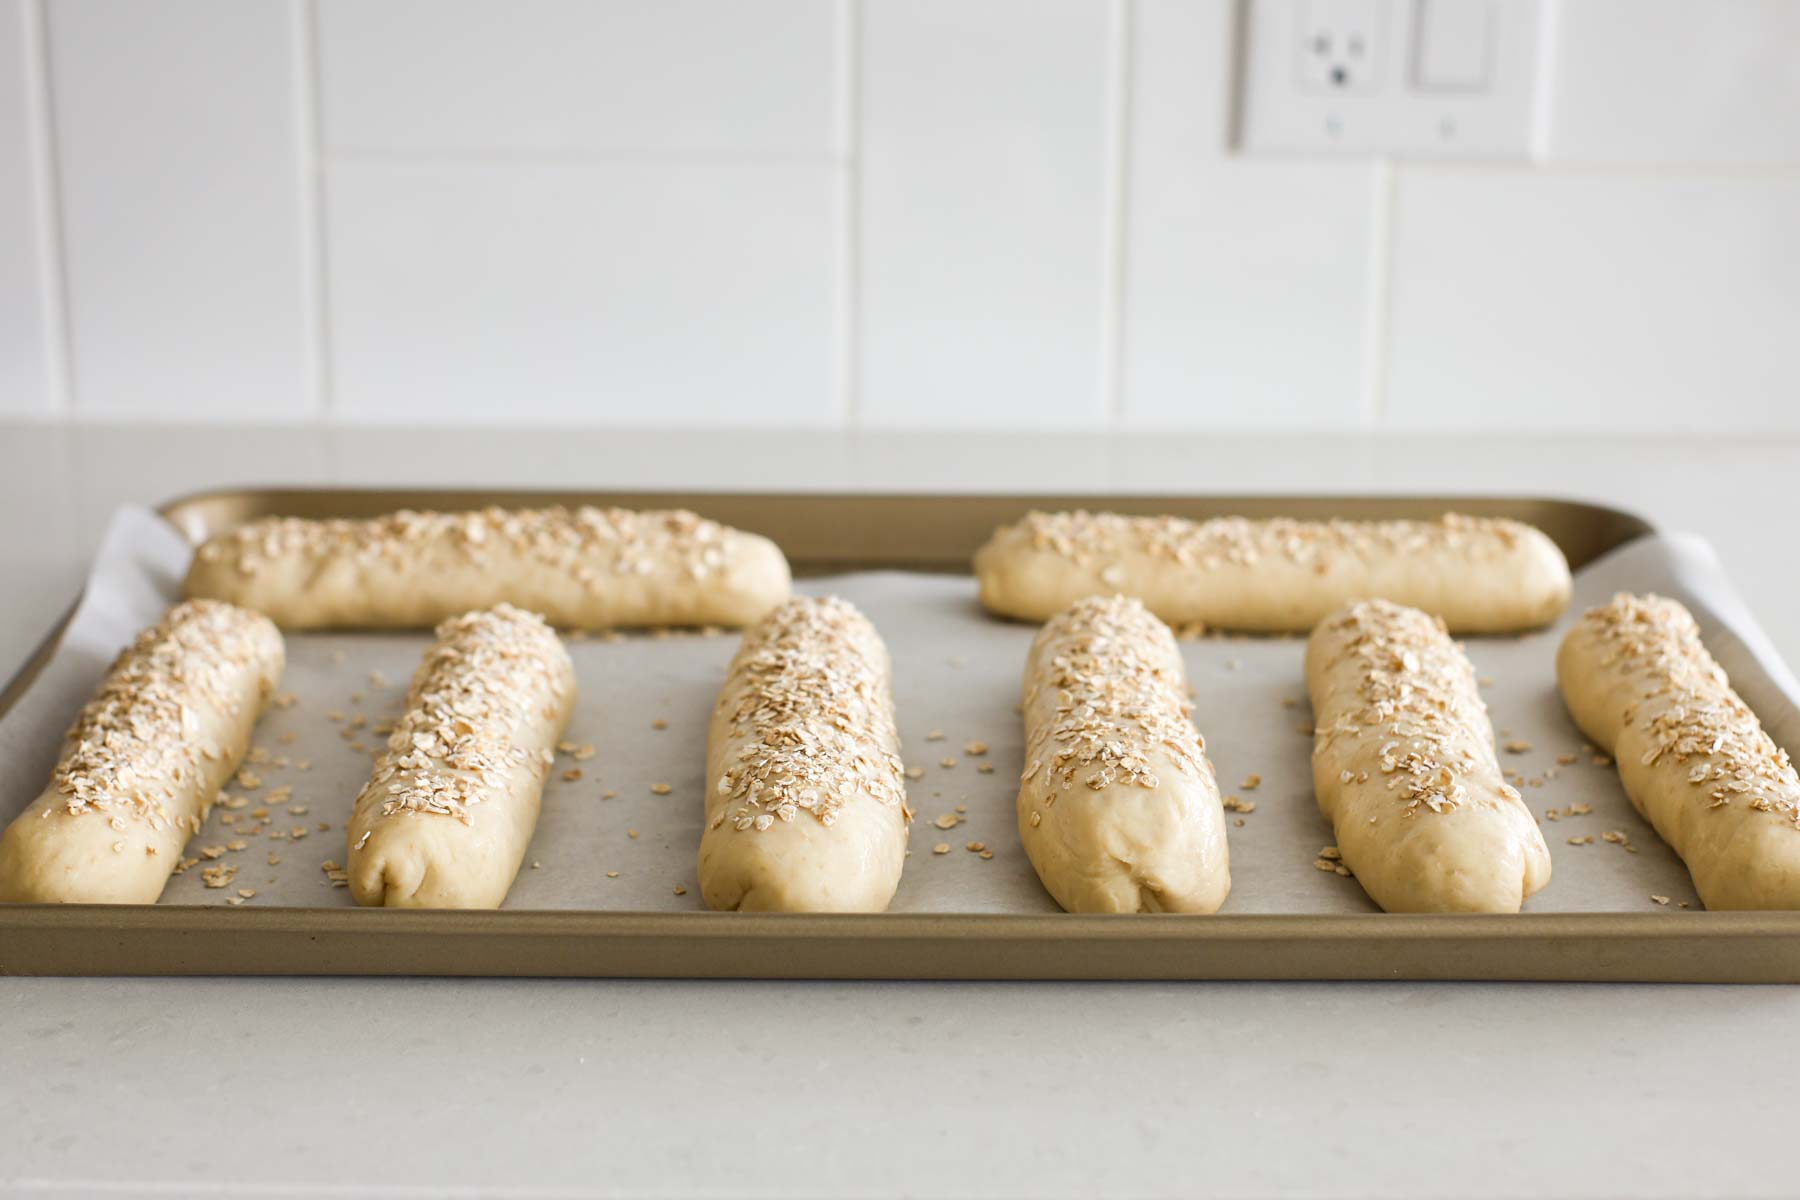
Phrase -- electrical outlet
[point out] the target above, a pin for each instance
(1339, 43)
(1410, 78)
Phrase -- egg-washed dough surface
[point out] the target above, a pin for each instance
(1277, 575)
(586, 567)
(1405, 766)
(1693, 757)
(806, 804)
(956, 672)
(1119, 807)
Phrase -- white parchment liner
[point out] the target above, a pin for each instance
(956, 671)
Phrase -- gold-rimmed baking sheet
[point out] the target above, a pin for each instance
(609, 881)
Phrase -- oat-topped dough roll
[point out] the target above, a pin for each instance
(445, 818)
(1692, 756)
(145, 760)
(805, 806)
(582, 568)
(1276, 576)
(1118, 806)
(1404, 767)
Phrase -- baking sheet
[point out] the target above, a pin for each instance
(645, 700)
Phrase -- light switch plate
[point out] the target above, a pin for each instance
(1436, 79)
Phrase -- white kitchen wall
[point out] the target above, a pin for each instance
(983, 163)
(30, 304)
(183, 201)
(878, 213)
(1248, 282)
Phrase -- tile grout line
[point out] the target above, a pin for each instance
(457, 156)
(1377, 300)
(618, 156)
(1114, 234)
(1544, 94)
(309, 146)
(849, 222)
(46, 165)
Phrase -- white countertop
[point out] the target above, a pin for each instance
(538, 1088)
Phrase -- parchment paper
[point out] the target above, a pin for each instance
(956, 674)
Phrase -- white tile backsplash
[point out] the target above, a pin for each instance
(1674, 81)
(1610, 301)
(582, 293)
(898, 214)
(730, 78)
(1246, 280)
(178, 128)
(981, 221)
(27, 385)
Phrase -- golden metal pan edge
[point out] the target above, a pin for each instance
(1600, 947)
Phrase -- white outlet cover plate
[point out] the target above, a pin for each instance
(1283, 110)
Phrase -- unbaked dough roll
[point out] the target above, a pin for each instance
(805, 808)
(1693, 757)
(145, 760)
(1276, 576)
(1404, 767)
(445, 818)
(1118, 806)
(583, 568)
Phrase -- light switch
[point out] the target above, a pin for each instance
(1438, 79)
(1453, 42)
